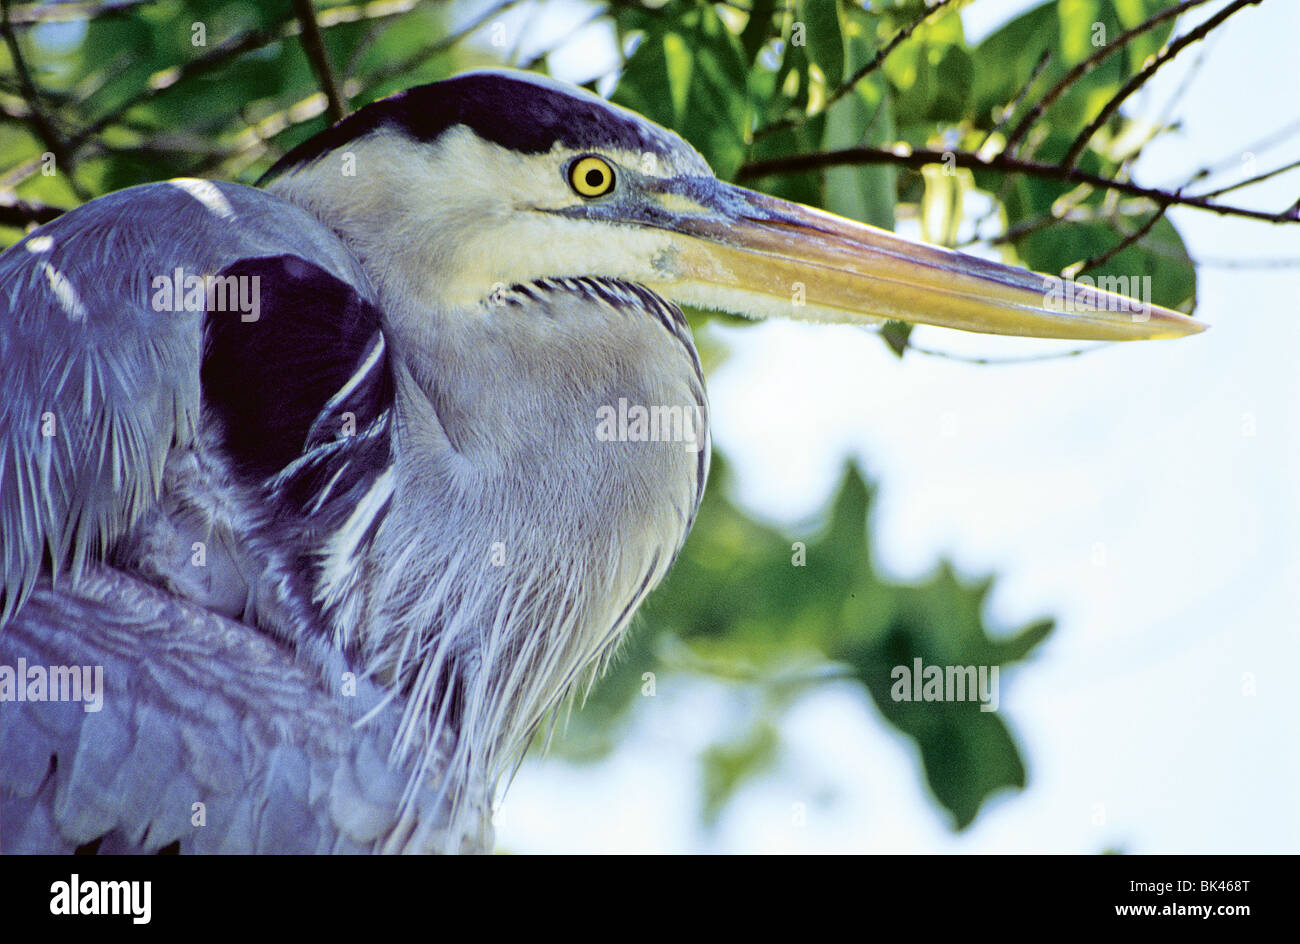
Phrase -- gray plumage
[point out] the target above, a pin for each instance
(198, 709)
(468, 555)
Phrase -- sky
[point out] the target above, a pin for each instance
(1146, 496)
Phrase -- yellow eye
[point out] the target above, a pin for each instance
(591, 177)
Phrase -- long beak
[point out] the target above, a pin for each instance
(765, 256)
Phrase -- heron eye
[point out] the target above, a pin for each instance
(591, 177)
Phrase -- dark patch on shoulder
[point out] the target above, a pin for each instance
(512, 112)
(269, 380)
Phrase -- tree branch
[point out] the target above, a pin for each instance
(1010, 108)
(36, 117)
(1101, 258)
(21, 213)
(233, 48)
(1252, 180)
(1139, 79)
(917, 158)
(876, 62)
(1269, 141)
(218, 56)
(314, 44)
(1083, 68)
(432, 49)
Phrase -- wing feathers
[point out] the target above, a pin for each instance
(101, 375)
(196, 709)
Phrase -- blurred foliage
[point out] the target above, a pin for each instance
(142, 91)
(763, 608)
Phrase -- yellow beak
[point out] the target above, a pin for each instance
(755, 254)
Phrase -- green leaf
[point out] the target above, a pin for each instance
(1157, 268)
(1079, 25)
(689, 73)
(825, 42)
(931, 71)
(866, 193)
(968, 754)
(758, 29)
(1006, 58)
(752, 604)
(896, 334)
(727, 766)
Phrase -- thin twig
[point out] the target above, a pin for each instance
(1270, 140)
(1000, 198)
(36, 117)
(164, 79)
(331, 17)
(420, 56)
(22, 213)
(1141, 77)
(1006, 361)
(920, 157)
(1252, 180)
(1083, 68)
(250, 143)
(218, 56)
(1103, 257)
(1012, 233)
(233, 48)
(12, 177)
(848, 86)
(1014, 105)
(314, 45)
(1031, 226)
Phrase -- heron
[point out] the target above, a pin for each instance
(313, 502)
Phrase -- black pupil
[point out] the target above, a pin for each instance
(595, 178)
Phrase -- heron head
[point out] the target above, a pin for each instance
(459, 189)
